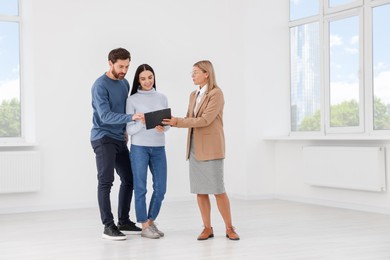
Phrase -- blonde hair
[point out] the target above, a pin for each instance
(207, 67)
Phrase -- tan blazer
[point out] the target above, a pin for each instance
(207, 125)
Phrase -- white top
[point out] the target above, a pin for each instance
(199, 94)
(142, 102)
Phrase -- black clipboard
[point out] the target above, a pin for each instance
(154, 118)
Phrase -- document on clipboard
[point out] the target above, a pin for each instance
(154, 118)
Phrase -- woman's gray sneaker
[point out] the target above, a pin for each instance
(157, 230)
(149, 233)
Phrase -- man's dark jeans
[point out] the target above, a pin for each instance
(113, 154)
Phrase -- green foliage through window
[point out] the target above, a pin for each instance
(346, 114)
(10, 118)
(311, 123)
(381, 115)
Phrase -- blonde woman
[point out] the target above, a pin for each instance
(206, 147)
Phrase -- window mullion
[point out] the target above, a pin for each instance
(368, 71)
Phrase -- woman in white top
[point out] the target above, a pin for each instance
(147, 149)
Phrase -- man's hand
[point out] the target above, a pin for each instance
(138, 116)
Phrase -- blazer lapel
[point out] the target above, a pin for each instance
(192, 104)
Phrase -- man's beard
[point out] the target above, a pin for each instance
(118, 75)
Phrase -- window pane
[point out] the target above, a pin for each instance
(334, 3)
(303, 8)
(9, 7)
(344, 72)
(9, 80)
(305, 77)
(381, 60)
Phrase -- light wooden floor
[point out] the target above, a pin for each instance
(269, 229)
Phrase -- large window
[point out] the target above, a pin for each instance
(340, 66)
(10, 108)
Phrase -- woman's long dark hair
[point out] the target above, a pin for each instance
(139, 70)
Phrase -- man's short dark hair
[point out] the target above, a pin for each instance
(118, 54)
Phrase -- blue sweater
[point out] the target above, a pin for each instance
(143, 102)
(109, 107)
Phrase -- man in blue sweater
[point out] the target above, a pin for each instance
(109, 142)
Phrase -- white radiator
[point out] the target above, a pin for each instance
(357, 168)
(20, 171)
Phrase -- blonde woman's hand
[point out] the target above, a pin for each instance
(170, 121)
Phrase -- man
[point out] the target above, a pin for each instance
(109, 142)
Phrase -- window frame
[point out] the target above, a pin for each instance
(364, 10)
(327, 20)
(340, 8)
(26, 79)
(368, 11)
(15, 19)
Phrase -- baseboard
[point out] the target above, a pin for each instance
(31, 209)
(335, 204)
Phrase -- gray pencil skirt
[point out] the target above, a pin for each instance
(206, 177)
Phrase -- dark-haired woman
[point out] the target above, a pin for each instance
(147, 150)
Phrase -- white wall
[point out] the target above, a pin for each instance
(289, 172)
(267, 91)
(67, 46)
(70, 40)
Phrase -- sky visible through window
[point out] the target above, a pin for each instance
(303, 8)
(9, 7)
(344, 60)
